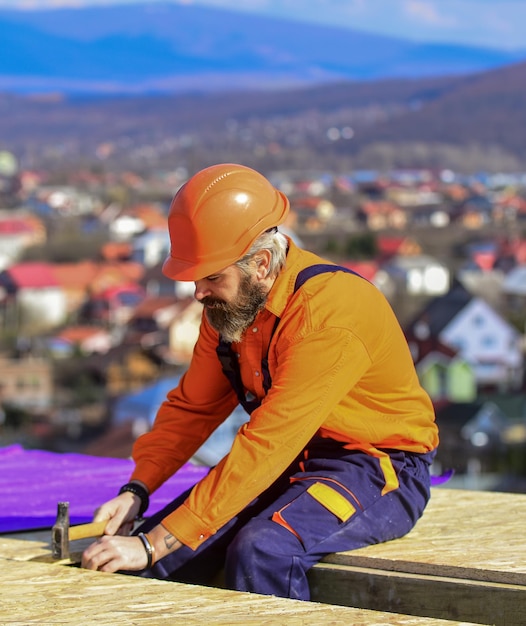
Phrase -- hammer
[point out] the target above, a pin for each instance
(62, 533)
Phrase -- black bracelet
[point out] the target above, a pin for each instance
(139, 491)
(150, 550)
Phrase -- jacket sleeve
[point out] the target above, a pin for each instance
(202, 400)
(308, 382)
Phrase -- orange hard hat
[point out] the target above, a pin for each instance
(216, 216)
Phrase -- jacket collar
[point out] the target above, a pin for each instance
(283, 287)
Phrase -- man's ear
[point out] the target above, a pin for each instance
(263, 264)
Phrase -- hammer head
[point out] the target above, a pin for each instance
(60, 532)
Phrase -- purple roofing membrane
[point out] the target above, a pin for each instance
(32, 482)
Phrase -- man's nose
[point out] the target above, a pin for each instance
(201, 290)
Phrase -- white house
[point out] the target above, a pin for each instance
(489, 343)
(477, 334)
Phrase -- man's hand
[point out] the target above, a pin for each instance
(113, 553)
(110, 554)
(120, 513)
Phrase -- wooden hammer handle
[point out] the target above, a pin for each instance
(83, 531)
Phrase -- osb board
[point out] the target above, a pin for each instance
(36, 546)
(43, 594)
(475, 535)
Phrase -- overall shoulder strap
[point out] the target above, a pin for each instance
(230, 365)
(229, 359)
(320, 268)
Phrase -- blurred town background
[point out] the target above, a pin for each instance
(404, 162)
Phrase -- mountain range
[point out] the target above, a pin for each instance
(468, 123)
(178, 48)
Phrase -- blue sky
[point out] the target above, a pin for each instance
(492, 23)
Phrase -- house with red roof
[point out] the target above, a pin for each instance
(18, 231)
(31, 297)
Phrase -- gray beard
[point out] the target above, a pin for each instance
(231, 320)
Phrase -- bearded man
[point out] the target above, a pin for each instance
(337, 450)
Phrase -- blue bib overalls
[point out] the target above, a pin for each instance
(330, 499)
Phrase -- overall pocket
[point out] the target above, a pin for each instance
(321, 509)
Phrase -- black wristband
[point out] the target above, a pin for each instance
(139, 491)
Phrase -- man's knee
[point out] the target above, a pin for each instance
(263, 559)
(262, 540)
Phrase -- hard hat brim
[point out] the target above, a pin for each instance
(186, 272)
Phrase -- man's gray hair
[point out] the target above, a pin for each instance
(271, 240)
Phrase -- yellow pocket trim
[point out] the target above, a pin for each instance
(391, 479)
(332, 500)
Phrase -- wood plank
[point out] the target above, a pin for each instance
(466, 534)
(416, 594)
(51, 594)
(465, 559)
(36, 546)
(463, 534)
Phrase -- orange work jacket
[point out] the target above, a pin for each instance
(340, 368)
